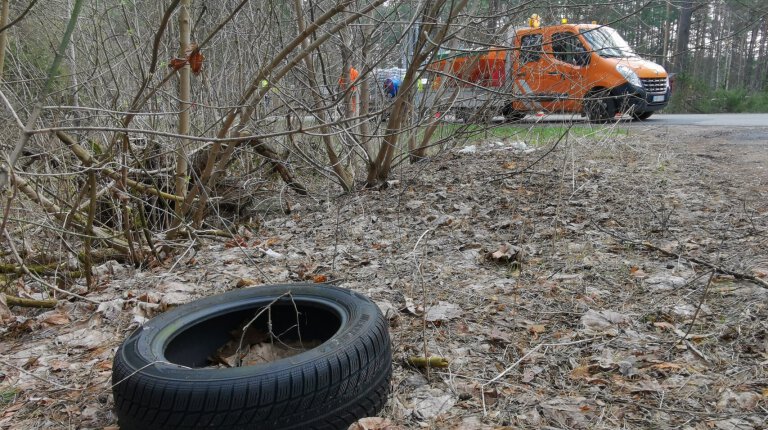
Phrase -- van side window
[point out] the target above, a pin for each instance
(531, 48)
(567, 47)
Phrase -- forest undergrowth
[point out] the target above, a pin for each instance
(620, 281)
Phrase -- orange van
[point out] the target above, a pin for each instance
(570, 68)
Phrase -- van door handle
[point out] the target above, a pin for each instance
(520, 75)
(553, 73)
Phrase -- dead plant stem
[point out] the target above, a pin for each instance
(38, 279)
(738, 275)
(47, 381)
(268, 309)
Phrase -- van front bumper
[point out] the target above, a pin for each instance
(630, 97)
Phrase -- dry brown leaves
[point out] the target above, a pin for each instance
(586, 331)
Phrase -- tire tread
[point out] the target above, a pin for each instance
(331, 392)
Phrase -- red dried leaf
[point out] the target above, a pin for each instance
(196, 59)
(237, 241)
(177, 63)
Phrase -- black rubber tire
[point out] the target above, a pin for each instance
(511, 115)
(599, 106)
(161, 382)
(464, 115)
(641, 116)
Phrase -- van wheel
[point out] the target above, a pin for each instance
(463, 114)
(600, 106)
(515, 116)
(485, 116)
(512, 115)
(641, 116)
(163, 377)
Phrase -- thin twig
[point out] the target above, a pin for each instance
(47, 381)
(142, 368)
(37, 278)
(738, 275)
(258, 314)
(516, 363)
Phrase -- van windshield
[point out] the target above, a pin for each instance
(608, 43)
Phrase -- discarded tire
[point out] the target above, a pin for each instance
(162, 378)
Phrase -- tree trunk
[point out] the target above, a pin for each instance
(761, 69)
(182, 168)
(4, 35)
(667, 31)
(683, 36)
(430, 38)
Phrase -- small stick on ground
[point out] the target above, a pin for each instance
(738, 275)
(30, 303)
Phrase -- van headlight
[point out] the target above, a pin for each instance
(629, 75)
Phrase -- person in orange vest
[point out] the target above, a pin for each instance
(353, 75)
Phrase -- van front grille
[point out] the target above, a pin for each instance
(655, 85)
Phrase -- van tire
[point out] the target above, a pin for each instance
(641, 116)
(162, 379)
(463, 114)
(599, 106)
(512, 115)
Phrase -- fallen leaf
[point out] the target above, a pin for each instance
(603, 322)
(443, 311)
(430, 402)
(666, 367)
(245, 282)
(149, 298)
(745, 401)
(30, 363)
(57, 365)
(505, 254)
(664, 325)
(510, 165)
(53, 318)
(319, 279)
(374, 423)
(13, 408)
(580, 372)
(236, 242)
(411, 307)
(87, 338)
(267, 352)
(499, 336)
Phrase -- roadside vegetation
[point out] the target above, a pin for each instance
(693, 96)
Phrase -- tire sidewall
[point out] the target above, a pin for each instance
(143, 350)
(600, 106)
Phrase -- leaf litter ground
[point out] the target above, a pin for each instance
(560, 289)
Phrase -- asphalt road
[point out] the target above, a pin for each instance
(718, 120)
(723, 120)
